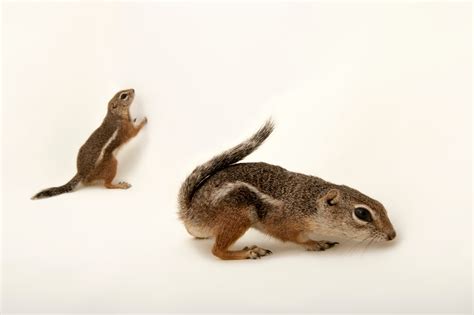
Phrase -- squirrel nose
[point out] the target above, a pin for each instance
(391, 235)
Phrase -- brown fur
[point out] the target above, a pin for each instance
(96, 160)
(222, 199)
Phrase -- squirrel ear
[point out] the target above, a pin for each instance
(332, 197)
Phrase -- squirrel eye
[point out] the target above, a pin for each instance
(363, 214)
(123, 96)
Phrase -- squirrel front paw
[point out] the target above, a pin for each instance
(319, 245)
(143, 122)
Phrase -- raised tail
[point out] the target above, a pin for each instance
(53, 191)
(221, 161)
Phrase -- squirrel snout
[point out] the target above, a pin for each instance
(391, 235)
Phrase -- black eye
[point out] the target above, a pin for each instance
(363, 214)
(123, 96)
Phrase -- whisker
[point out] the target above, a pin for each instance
(357, 245)
(369, 243)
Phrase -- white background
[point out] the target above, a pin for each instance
(375, 96)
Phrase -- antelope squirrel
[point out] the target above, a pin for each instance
(223, 199)
(96, 160)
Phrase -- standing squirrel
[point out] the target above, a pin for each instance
(96, 160)
(222, 199)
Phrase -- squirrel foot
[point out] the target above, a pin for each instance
(120, 185)
(255, 252)
(125, 185)
(319, 245)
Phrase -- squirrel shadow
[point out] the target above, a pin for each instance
(287, 249)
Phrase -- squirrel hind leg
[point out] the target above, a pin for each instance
(226, 213)
(232, 223)
(238, 211)
(228, 234)
(106, 171)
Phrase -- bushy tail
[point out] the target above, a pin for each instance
(53, 191)
(219, 162)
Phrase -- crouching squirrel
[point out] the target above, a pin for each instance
(222, 199)
(96, 160)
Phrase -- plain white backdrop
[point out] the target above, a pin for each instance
(375, 96)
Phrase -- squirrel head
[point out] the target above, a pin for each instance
(119, 104)
(346, 212)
